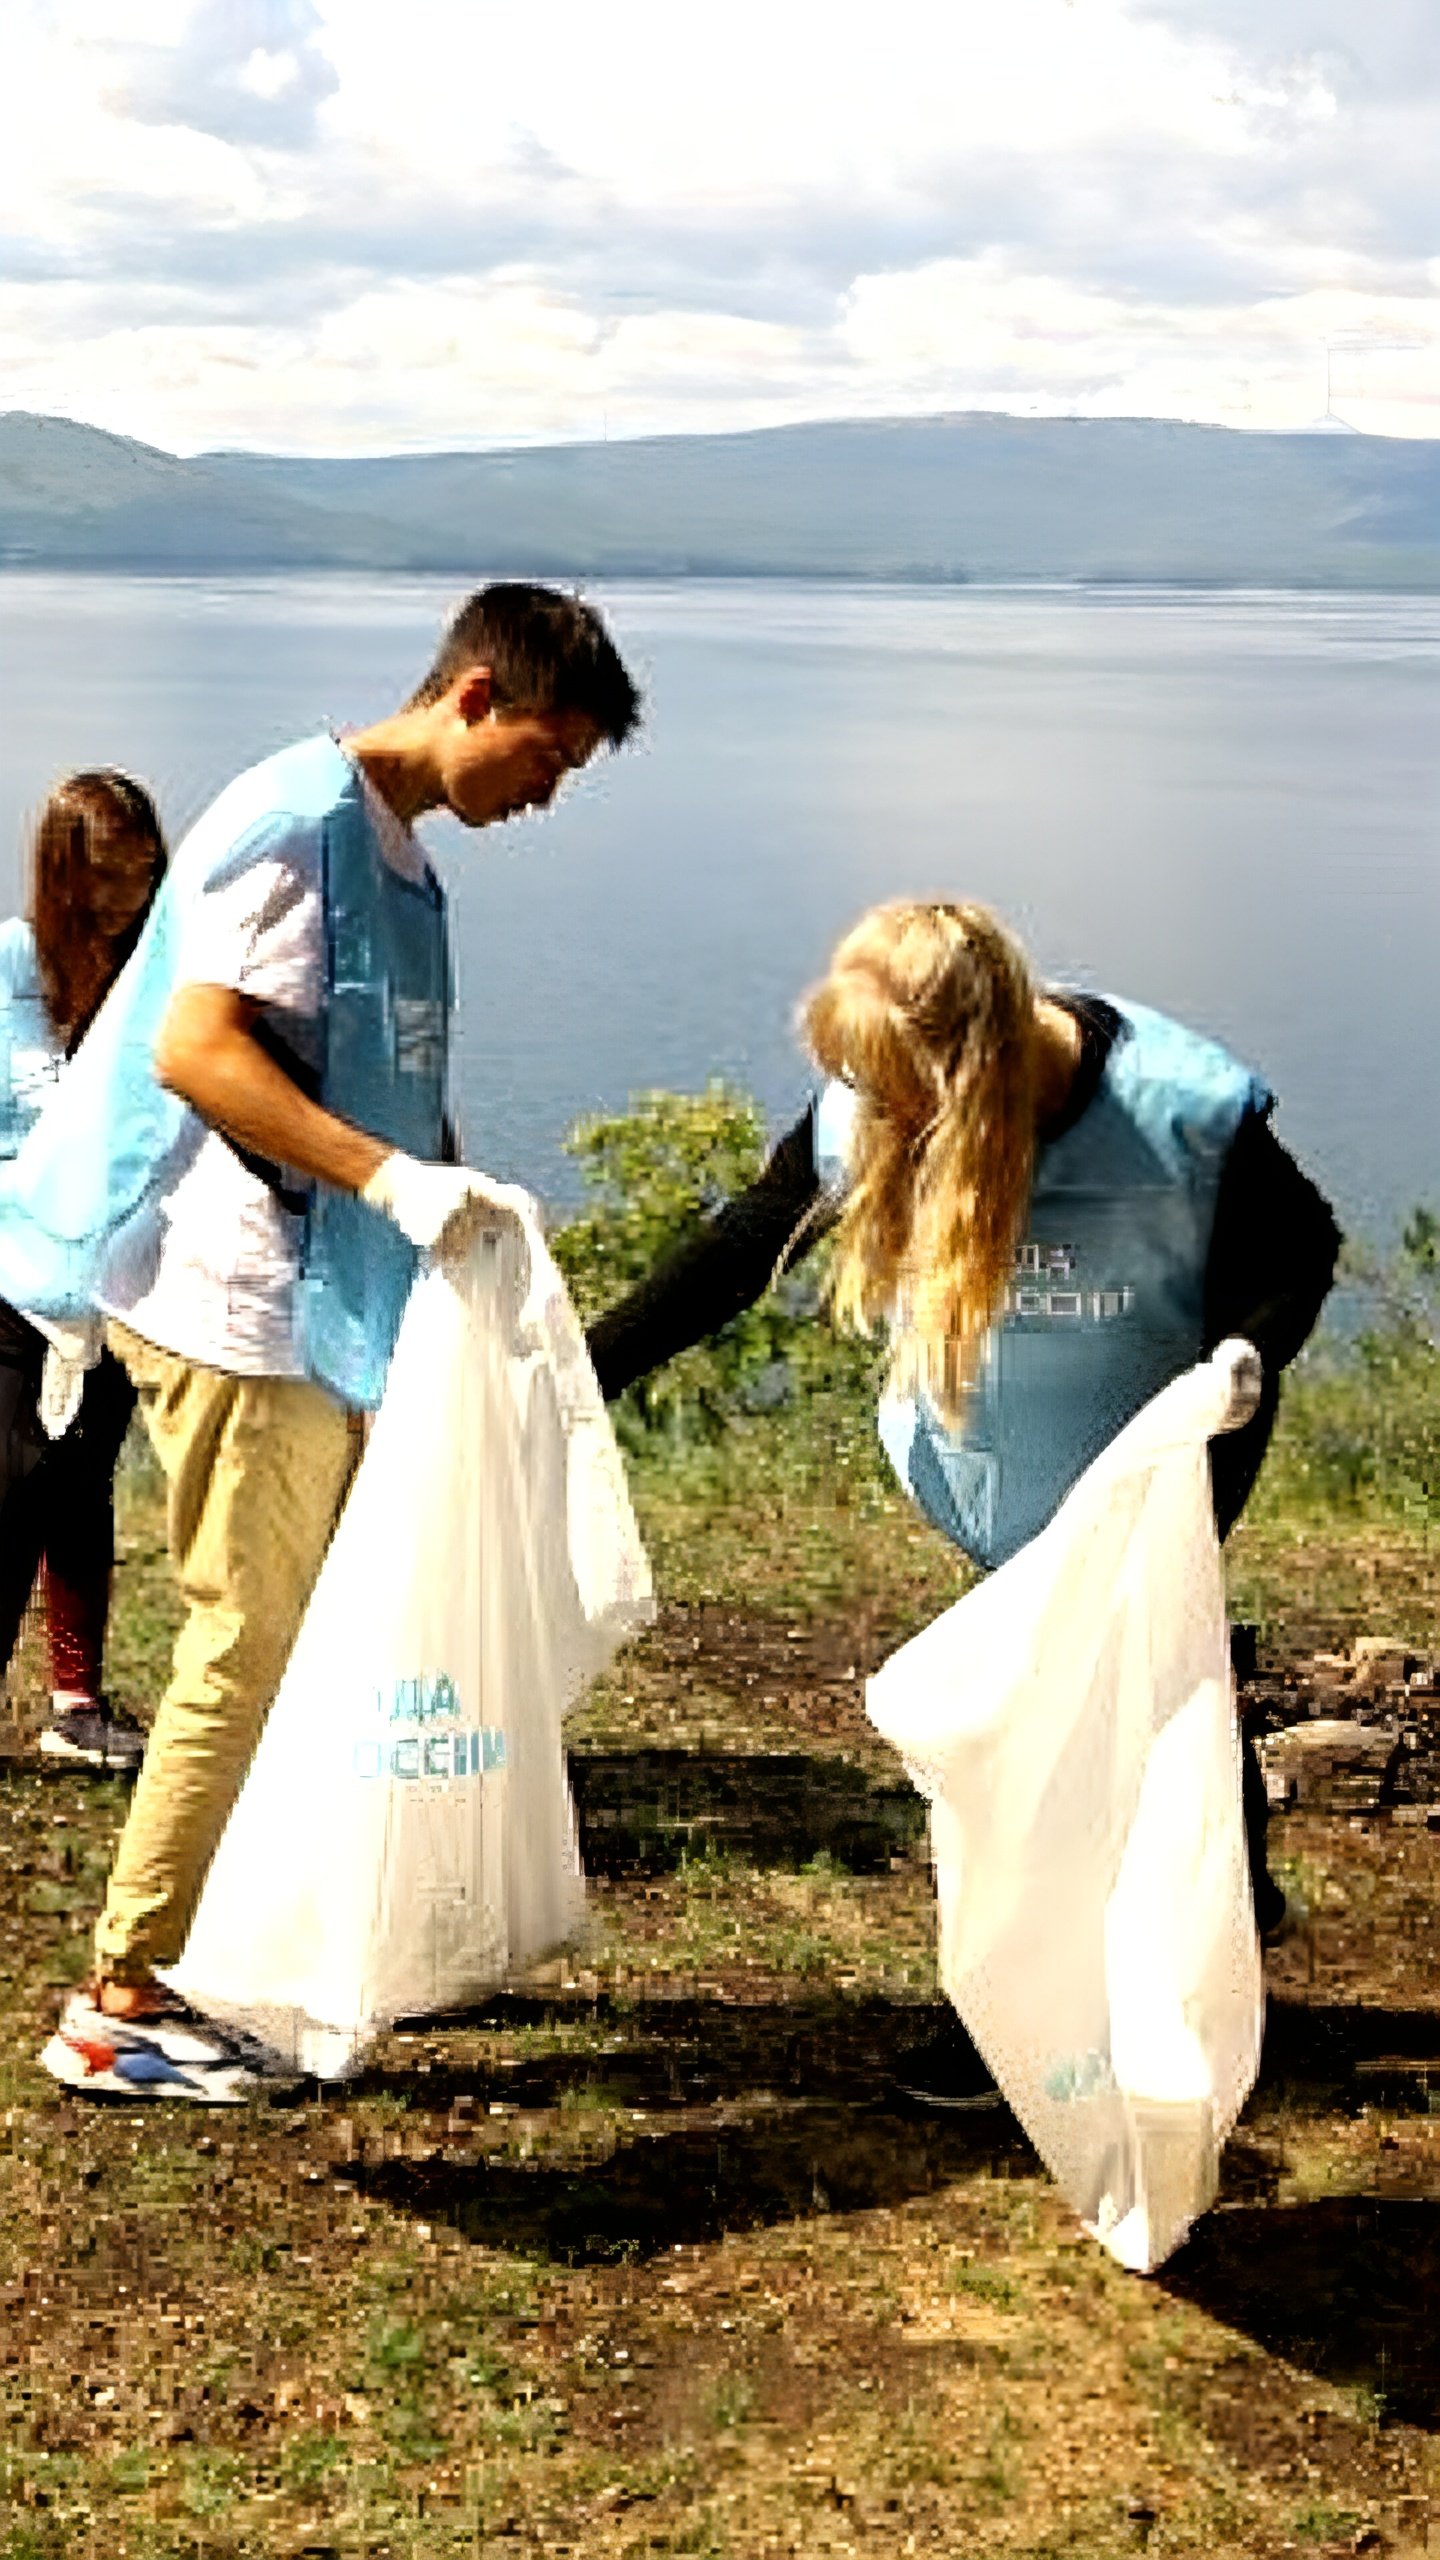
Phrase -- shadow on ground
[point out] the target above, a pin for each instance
(642, 1811)
(1329, 2057)
(1345, 2286)
(671, 2051)
(664, 2050)
(680, 2185)
(782, 2110)
(776, 2110)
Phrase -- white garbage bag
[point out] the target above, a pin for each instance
(405, 1838)
(1072, 1722)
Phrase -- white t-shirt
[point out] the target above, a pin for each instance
(211, 1273)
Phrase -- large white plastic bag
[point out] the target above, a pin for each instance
(405, 1838)
(1072, 1722)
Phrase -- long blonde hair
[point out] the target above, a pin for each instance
(928, 1012)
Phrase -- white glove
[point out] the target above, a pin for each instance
(1247, 1378)
(443, 1207)
(71, 1351)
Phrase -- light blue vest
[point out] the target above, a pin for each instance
(103, 1152)
(30, 1054)
(1107, 1301)
(386, 1043)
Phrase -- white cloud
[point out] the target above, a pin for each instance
(274, 222)
(946, 333)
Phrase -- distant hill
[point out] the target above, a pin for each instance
(75, 497)
(969, 496)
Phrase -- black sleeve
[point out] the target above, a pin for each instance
(716, 1274)
(1272, 1260)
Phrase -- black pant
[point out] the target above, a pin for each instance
(56, 1496)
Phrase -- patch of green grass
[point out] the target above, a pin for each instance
(1370, 2403)
(1318, 2521)
(1305, 1880)
(49, 1899)
(838, 1535)
(485, 2370)
(917, 2448)
(307, 2461)
(130, 2470)
(67, 1962)
(41, 2479)
(209, 2483)
(591, 2100)
(47, 2539)
(730, 2401)
(702, 2537)
(985, 2284)
(163, 2174)
(254, 2253)
(396, 2346)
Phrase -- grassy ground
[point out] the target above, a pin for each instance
(648, 2259)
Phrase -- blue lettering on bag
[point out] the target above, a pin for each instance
(1079, 2076)
(419, 1699)
(472, 1754)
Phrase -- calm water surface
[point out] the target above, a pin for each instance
(1226, 806)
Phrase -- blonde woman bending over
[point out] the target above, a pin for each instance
(1053, 1203)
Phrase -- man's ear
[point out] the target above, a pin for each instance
(471, 695)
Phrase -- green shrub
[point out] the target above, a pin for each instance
(652, 1176)
(1360, 1427)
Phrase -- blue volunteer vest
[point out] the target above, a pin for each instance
(1106, 1305)
(30, 1054)
(386, 1036)
(102, 1153)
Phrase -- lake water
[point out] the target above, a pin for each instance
(1227, 806)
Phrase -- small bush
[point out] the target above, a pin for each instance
(1360, 1428)
(653, 1176)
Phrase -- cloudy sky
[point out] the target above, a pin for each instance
(375, 225)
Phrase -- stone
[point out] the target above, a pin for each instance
(1331, 1765)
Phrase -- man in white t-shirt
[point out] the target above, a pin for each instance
(205, 1287)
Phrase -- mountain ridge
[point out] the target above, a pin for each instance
(950, 496)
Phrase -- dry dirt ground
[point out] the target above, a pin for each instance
(652, 2259)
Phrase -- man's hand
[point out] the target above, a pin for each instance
(442, 1207)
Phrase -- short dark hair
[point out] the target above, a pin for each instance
(545, 651)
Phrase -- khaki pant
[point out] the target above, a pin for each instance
(257, 1470)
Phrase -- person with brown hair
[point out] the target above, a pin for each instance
(251, 1158)
(97, 858)
(1051, 1204)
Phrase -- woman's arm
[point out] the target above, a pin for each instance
(721, 1271)
(1272, 1259)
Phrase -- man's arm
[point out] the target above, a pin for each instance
(713, 1277)
(208, 1054)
